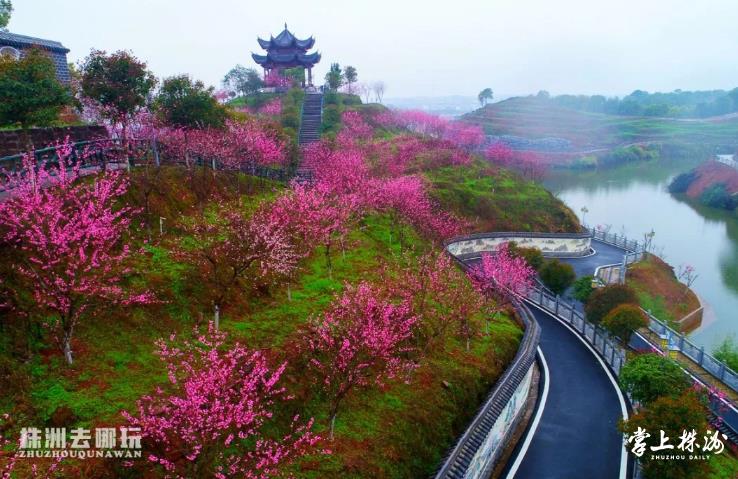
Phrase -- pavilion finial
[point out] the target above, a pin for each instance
(285, 25)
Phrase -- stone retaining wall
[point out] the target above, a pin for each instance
(552, 245)
(13, 142)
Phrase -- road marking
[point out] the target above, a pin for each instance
(621, 398)
(536, 420)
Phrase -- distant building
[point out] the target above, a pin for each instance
(16, 45)
(286, 51)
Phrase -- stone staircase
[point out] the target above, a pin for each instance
(311, 118)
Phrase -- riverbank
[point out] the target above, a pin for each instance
(633, 200)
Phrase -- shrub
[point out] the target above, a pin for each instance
(604, 300)
(351, 100)
(727, 352)
(648, 377)
(291, 109)
(532, 256)
(623, 320)
(672, 415)
(718, 196)
(557, 276)
(583, 288)
(681, 183)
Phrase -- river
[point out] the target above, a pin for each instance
(633, 199)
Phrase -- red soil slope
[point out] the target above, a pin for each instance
(710, 173)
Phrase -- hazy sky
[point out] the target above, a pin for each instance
(421, 48)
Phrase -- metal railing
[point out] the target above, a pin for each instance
(602, 341)
(675, 341)
(621, 241)
(102, 153)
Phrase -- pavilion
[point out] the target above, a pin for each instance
(287, 51)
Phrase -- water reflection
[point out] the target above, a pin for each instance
(633, 199)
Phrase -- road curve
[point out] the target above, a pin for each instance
(576, 434)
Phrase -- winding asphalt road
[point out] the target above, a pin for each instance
(573, 433)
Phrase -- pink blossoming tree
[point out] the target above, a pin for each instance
(502, 275)
(442, 297)
(212, 418)
(362, 340)
(70, 236)
(236, 250)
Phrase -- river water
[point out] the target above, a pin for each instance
(633, 199)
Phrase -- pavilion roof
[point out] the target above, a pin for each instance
(287, 59)
(286, 40)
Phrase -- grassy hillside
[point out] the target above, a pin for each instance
(660, 292)
(496, 199)
(532, 117)
(399, 431)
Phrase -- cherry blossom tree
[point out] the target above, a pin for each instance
(502, 274)
(529, 163)
(362, 340)
(342, 172)
(272, 108)
(70, 239)
(236, 250)
(212, 419)
(442, 297)
(405, 197)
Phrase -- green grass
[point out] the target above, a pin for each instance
(499, 200)
(377, 431)
(724, 466)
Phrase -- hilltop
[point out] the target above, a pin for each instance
(535, 118)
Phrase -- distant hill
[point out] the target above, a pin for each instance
(535, 118)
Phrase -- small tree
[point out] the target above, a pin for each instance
(441, 297)
(69, 237)
(650, 376)
(6, 9)
(502, 276)
(624, 320)
(118, 84)
(362, 340)
(532, 256)
(604, 300)
(242, 80)
(557, 275)
(185, 103)
(351, 76)
(673, 415)
(583, 288)
(213, 419)
(485, 96)
(378, 87)
(236, 250)
(334, 78)
(30, 94)
(727, 352)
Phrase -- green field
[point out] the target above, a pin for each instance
(530, 117)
